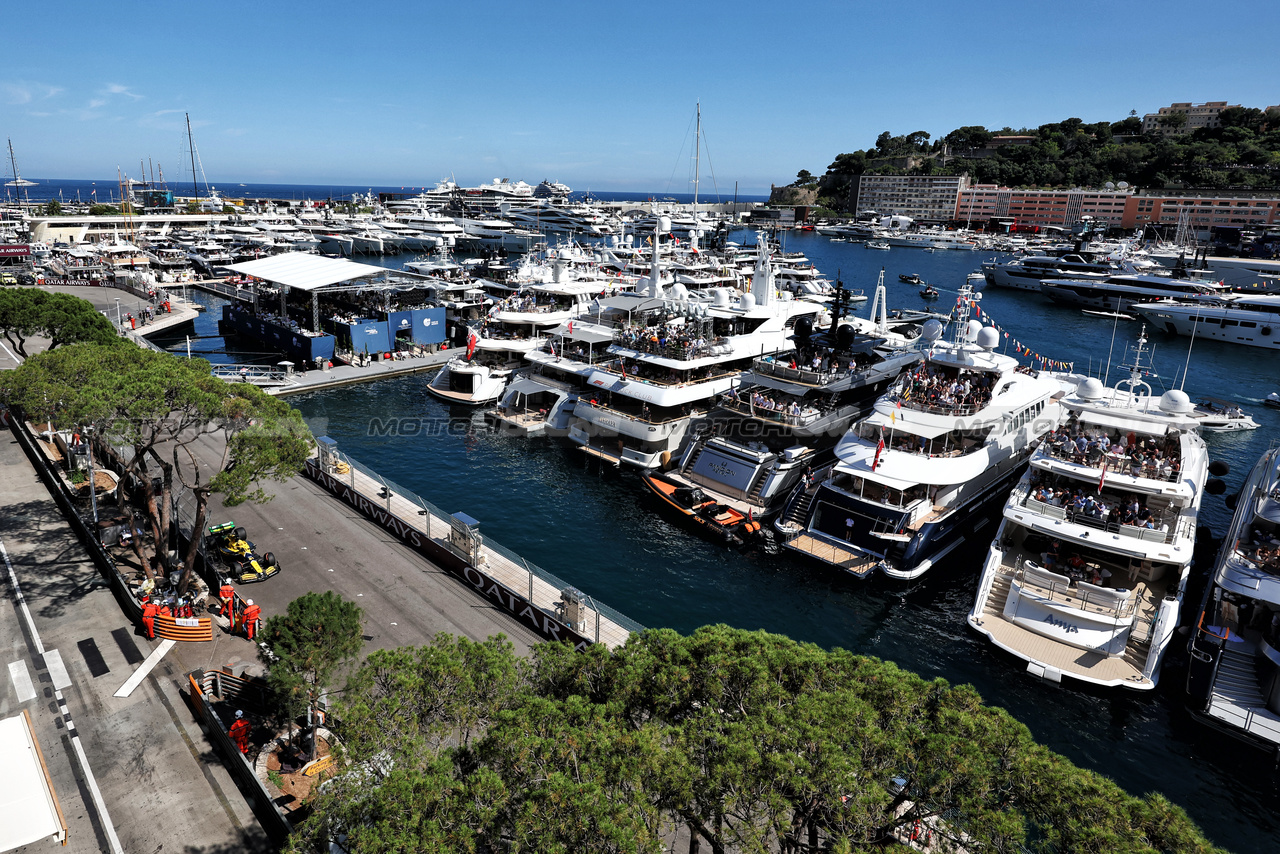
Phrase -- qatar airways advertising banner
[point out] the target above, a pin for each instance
(14, 250)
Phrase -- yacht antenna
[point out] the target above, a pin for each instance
(1111, 350)
(1187, 366)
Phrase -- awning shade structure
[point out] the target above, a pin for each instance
(928, 431)
(305, 272)
(1124, 425)
(583, 332)
(29, 809)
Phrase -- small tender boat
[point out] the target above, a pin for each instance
(1222, 416)
(910, 278)
(877, 244)
(929, 292)
(1272, 400)
(1115, 315)
(719, 521)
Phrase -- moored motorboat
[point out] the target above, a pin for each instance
(1222, 416)
(719, 521)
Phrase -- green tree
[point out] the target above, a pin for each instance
(172, 414)
(307, 645)
(103, 210)
(803, 178)
(61, 318)
(53, 208)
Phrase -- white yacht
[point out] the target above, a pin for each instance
(788, 411)
(1235, 643)
(496, 233)
(1026, 273)
(469, 383)
(1087, 572)
(922, 473)
(1122, 291)
(673, 362)
(1234, 318)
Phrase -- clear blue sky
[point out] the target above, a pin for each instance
(599, 95)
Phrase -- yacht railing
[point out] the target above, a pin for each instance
(782, 370)
(639, 417)
(1118, 463)
(611, 368)
(808, 415)
(1080, 595)
(1169, 526)
(909, 402)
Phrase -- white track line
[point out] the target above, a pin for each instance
(141, 673)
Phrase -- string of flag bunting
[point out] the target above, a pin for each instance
(1018, 347)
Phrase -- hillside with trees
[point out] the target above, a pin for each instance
(1242, 154)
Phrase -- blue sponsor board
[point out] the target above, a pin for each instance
(420, 325)
(370, 336)
(296, 345)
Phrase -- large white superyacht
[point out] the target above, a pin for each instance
(671, 364)
(1252, 320)
(1235, 644)
(1087, 572)
(923, 473)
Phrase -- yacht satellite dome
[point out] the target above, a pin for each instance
(932, 330)
(971, 330)
(1090, 389)
(664, 224)
(1175, 402)
(721, 298)
(679, 291)
(747, 302)
(988, 338)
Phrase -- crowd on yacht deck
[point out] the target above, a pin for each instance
(1137, 456)
(931, 386)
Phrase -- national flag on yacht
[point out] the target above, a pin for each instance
(472, 341)
(1103, 478)
(570, 327)
(623, 367)
(879, 450)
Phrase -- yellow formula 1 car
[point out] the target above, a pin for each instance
(242, 560)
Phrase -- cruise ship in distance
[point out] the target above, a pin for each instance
(1235, 643)
(1085, 578)
(1236, 319)
(936, 457)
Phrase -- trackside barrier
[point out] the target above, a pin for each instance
(222, 687)
(184, 628)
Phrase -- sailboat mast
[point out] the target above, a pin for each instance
(697, 156)
(13, 163)
(192, 146)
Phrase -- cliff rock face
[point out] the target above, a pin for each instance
(793, 196)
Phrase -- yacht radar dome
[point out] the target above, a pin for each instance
(721, 298)
(972, 328)
(664, 224)
(747, 302)
(1175, 402)
(932, 330)
(1090, 388)
(988, 338)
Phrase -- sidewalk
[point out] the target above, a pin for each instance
(161, 784)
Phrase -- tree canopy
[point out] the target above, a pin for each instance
(739, 741)
(166, 412)
(61, 318)
(309, 643)
(1243, 153)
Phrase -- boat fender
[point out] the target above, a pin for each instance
(666, 459)
(1266, 330)
(1214, 486)
(1219, 468)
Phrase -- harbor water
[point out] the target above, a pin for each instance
(597, 529)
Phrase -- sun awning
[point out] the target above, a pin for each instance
(896, 424)
(527, 385)
(583, 332)
(631, 302)
(29, 808)
(1124, 425)
(305, 272)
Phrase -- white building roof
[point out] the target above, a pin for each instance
(305, 272)
(29, 810)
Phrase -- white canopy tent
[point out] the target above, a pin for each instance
(29, 809)
(305, 272)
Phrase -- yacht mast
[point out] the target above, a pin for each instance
(195, 189)
(697, 155)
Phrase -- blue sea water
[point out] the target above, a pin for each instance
(596, 529)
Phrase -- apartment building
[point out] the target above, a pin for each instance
(1061, 208)
(1202, 212)
(922, 197)
(1198, 116)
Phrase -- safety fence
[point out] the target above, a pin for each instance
(537, 598)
